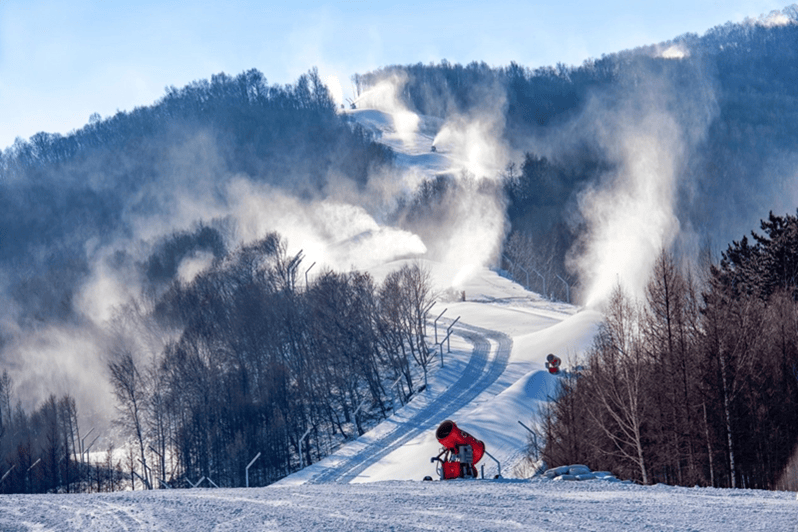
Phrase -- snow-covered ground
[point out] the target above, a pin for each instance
(493, 377)
(407, 505)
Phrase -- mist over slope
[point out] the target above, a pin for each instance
(132, 203)
(681, 144)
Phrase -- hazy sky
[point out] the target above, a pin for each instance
(61, 61)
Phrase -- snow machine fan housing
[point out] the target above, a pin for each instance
(461, 452)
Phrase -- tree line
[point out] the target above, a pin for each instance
(43, 450)
(264, 363)
(246, 359)
(698, 383)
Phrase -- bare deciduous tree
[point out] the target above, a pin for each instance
(132, 397)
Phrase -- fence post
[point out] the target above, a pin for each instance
(250, 465)
(534, 437)
(436, 324)
(7, 473)
(83, 444)
(448, 334)
(302, 439)
(542, 279)
(306, 275)
(497, 463)
(567, 288)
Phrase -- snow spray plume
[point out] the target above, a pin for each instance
(478, 217)
(468, 221)
(186, 182)
(647, 128)
(384, 96)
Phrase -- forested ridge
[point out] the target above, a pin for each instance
(207, 371)
(730, 89)
(258, 362)
(61, 191)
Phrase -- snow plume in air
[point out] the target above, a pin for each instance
(646, 131)
(337, 221)
(461, 220)
(674, 51)
(384, 96)
(335, 233)
(335, 89)
(473, 142)
(472, 137)
(775, 18)
(464, 213)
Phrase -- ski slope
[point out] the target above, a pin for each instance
(535, 506)
(383, 491)
(496, 375)
(492, 378)
(487, 361)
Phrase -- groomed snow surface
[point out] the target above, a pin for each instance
(406, 505)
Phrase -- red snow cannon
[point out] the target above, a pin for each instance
(553, 364)
(461, 451)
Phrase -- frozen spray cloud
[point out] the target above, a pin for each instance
(474, 142)
(775, 18)
(674, 51)
(384, 96)
(469, 223)
(334, 233)
(334, 87)
(630, 214)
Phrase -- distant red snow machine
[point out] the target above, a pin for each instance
(461, 452)
(553, 364)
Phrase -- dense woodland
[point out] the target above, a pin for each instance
(61, 195)
(262, 359)
(257, 361)
(698, 383)
(249, 356)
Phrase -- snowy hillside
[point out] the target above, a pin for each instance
(490, 376)
(494, 375)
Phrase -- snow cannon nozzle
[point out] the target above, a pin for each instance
(444, 429)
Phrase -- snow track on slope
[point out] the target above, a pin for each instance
(482, 371)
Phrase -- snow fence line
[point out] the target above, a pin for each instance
(580, 472)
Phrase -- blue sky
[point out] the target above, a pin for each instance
(61, 61)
